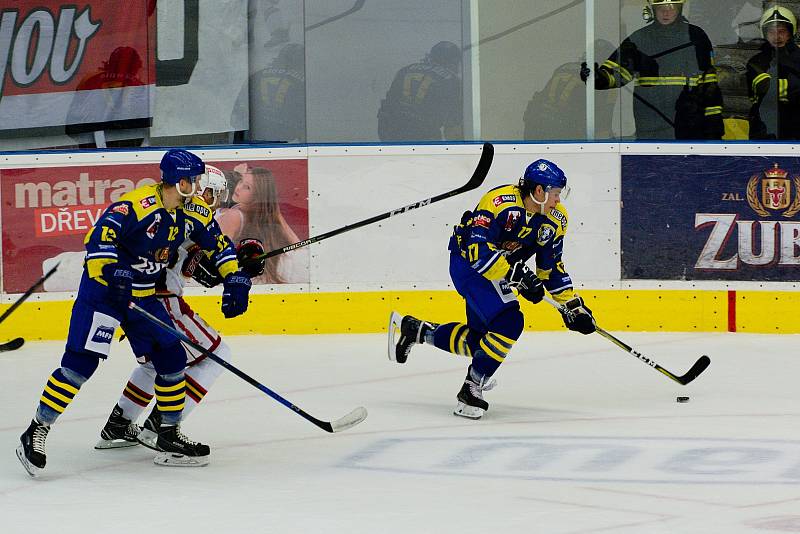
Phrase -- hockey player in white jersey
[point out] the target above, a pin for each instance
(121, 429)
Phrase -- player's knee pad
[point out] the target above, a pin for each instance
(79, 366)
(508, 324)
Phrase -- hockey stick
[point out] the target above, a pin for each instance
(17, 342)
(698, 367)
(343, 423)
(477, 178)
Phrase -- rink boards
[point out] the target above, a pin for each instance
(715, 223)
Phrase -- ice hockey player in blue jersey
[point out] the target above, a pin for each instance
(126, 250)
(488, 254)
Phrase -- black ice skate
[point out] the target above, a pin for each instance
(31, 448)
(148, 435)
(118, 432)
(179, 450)
(470, 399)
(411, 330)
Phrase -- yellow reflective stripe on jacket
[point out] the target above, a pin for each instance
(713, 110)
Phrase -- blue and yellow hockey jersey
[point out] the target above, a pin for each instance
(501, 232)
(139, 231)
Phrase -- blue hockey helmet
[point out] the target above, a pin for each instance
(545, 173)
(178, 163)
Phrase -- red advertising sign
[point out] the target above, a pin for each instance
(46, 213)
(76, 63)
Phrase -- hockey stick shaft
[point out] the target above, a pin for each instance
(698, 367)
(351, 419)
(29, 292)
(477, 178)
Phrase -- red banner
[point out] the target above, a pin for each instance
(46, 213)
(89, 62)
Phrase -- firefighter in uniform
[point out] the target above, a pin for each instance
(671, 64)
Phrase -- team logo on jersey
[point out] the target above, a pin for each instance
(482, 220)
(147, 202)
(502, 199)
(152, 230)
(772, 190)
(162, 255)
(513, 217)
(120, 208)
(546, 233)
(103, 334)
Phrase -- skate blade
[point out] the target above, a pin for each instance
(394, 330)
(117, 443)
(174, 459)
(29, 467)
(470, 412)
(149, 439)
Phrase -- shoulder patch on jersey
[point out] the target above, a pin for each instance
(120, 208)
(560, 217)
(502, 199)
(482, 221)
(546, 233)
(146, 202)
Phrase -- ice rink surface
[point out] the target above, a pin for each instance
(580, 437)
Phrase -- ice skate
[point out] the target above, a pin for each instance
(411, 330)
(178, 450)
(148, 435)
(31, 448)
(470, 398)
(118, 432)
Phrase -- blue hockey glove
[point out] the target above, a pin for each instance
(526, 282)
(119, 279)
(236, 289)
(578, 316)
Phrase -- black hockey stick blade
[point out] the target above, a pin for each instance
(699, 366)
(14, 344)
(343, 423)
(28, 293)
(477, 178)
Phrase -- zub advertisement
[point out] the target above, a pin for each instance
(89, 65)
(711, 218)
(47, 211)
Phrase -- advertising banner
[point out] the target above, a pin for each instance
(47, 211)
(711, 218)
(88, 64)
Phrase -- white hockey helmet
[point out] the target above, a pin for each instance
(213, 179)
(774, 14)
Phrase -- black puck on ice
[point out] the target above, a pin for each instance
(682, 399)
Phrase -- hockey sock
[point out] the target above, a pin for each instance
(456, 338)
(201, 376)
(138, 392)
(170, 397)
(58, 393)
(494, 346)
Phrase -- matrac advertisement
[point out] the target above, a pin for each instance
(711, 218)
(46, 213)
(90, 64)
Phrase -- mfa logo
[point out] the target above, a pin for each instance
(103, 334)
(772, 190)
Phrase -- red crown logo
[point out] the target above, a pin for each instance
(776, 172)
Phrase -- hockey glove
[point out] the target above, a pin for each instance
(235, 293)
(521, 277)
(578, 316)
(586, 71)
(119, 279)
(248, 252)
(199, 267)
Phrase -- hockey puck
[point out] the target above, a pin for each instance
(682, 399)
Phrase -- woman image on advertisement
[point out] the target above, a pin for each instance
(256, 213)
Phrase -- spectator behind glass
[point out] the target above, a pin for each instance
(670, 62)
(773, 79)
(256, 213)
(424, 102)
(559, 110)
